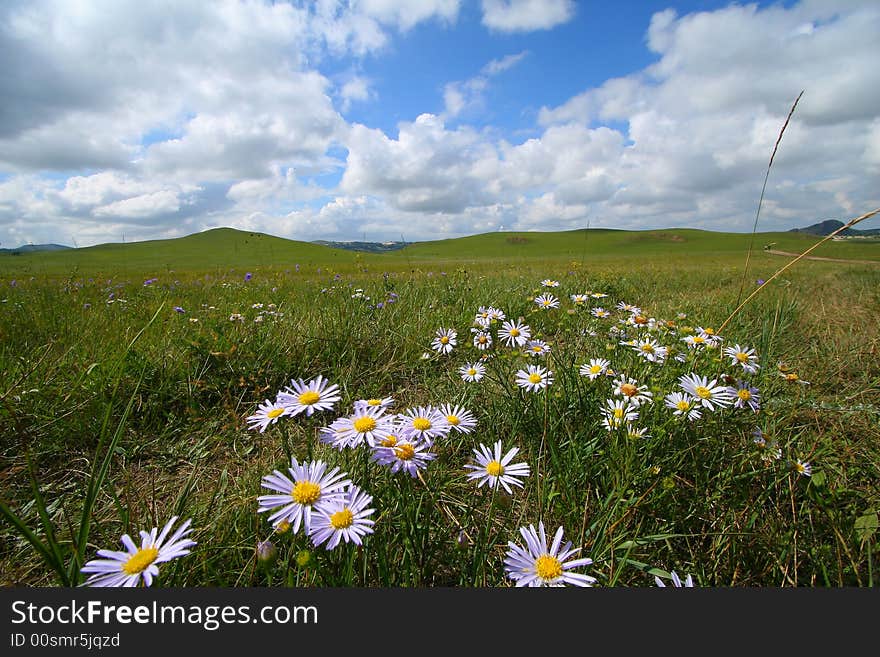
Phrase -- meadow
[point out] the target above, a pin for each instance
(128, 374)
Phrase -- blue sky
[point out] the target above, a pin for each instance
(431, 118)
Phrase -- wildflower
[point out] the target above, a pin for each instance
(682, 404)
(367, 425)
(139, 564)
(236, 317)
(709, 334)
(598, 295)
(536, 564)
(311, 483)
(534, 378)
(744, 396)
(629, 389)
(339, 436)
(628, 307)
(744, 357)
(423, 423)
(650, 350)
(482, 339)
(179, 310)
(546, 301)
(496, 314)
(472, 372)
(407, 455)
(676, 581)
(494, 469)
(600, 313)
(343, 518)
(248, 276)
(194, 320)
(636, 433)
(802, 467)
(695, 341)
(705, 392)
(595, 368)
(444, 341)
(547, 282)
(267, 413)
(150, 281)
(309, 397)
(459, 419)
(537, 348)
(384, 402)
(514, 334)
(579, 299)
(618, 412)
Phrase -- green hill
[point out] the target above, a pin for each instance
(224, 249)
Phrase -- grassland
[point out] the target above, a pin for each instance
(119, 411)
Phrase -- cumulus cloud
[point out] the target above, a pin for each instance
(526, 15)
(470, 94)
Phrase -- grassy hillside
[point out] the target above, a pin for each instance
(225, 249)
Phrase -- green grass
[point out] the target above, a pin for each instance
(116, 416)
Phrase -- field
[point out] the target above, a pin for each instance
(128, 374)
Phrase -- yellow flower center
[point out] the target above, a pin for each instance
(374, 402)
(421, 423)
(309, 397)
(618, 413)
(275, 412)
(791, 377)
(306, 493)
(595, 369)
(709, 331)
(683, 405)
(699, 339)
(744, 394)
(640, 319)
(140, 561)
(514, 332)
(390, 441)
(534, 378)
(282, 527)
(547, 567)
(444, 340)
(742, 357)
(342, 519)
(405, 452)
(546, 302)
(454, 420)
(471, 371)
(364, 424)
(483, 339)
(628, 389)
(648, 348)
(494, 468)
(799, 467)
(703, 392)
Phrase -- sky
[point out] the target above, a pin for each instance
(376, 120)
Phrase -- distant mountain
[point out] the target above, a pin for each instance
(372, 247)
(830, 225)
(32, 248)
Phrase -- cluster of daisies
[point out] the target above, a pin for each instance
(640, 341)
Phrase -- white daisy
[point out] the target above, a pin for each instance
(548, 282)
(618, 413)
(407, 455)
(444, 341)
(595, 368)
(494, 469)
(744, 357)
(707, 393)
(482, 339)
(267, 413)
(630, 389)
(534, 378)
(343, 518)
(367, 425)
(423, 423)
(459, 419)
(514, 334)
(682, 404)
(537, 348)
(536, 564)
(311, 483)
(472, 372)
(383, 402)
(138, 564)
(546, 301)
(676, 581)
(650, 350)
(309, 397)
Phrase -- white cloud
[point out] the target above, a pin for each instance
(526, 15)
(470, 94)
(139, 207)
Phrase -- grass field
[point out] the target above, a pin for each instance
(129, 372)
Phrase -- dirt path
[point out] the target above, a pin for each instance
(795, 255)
